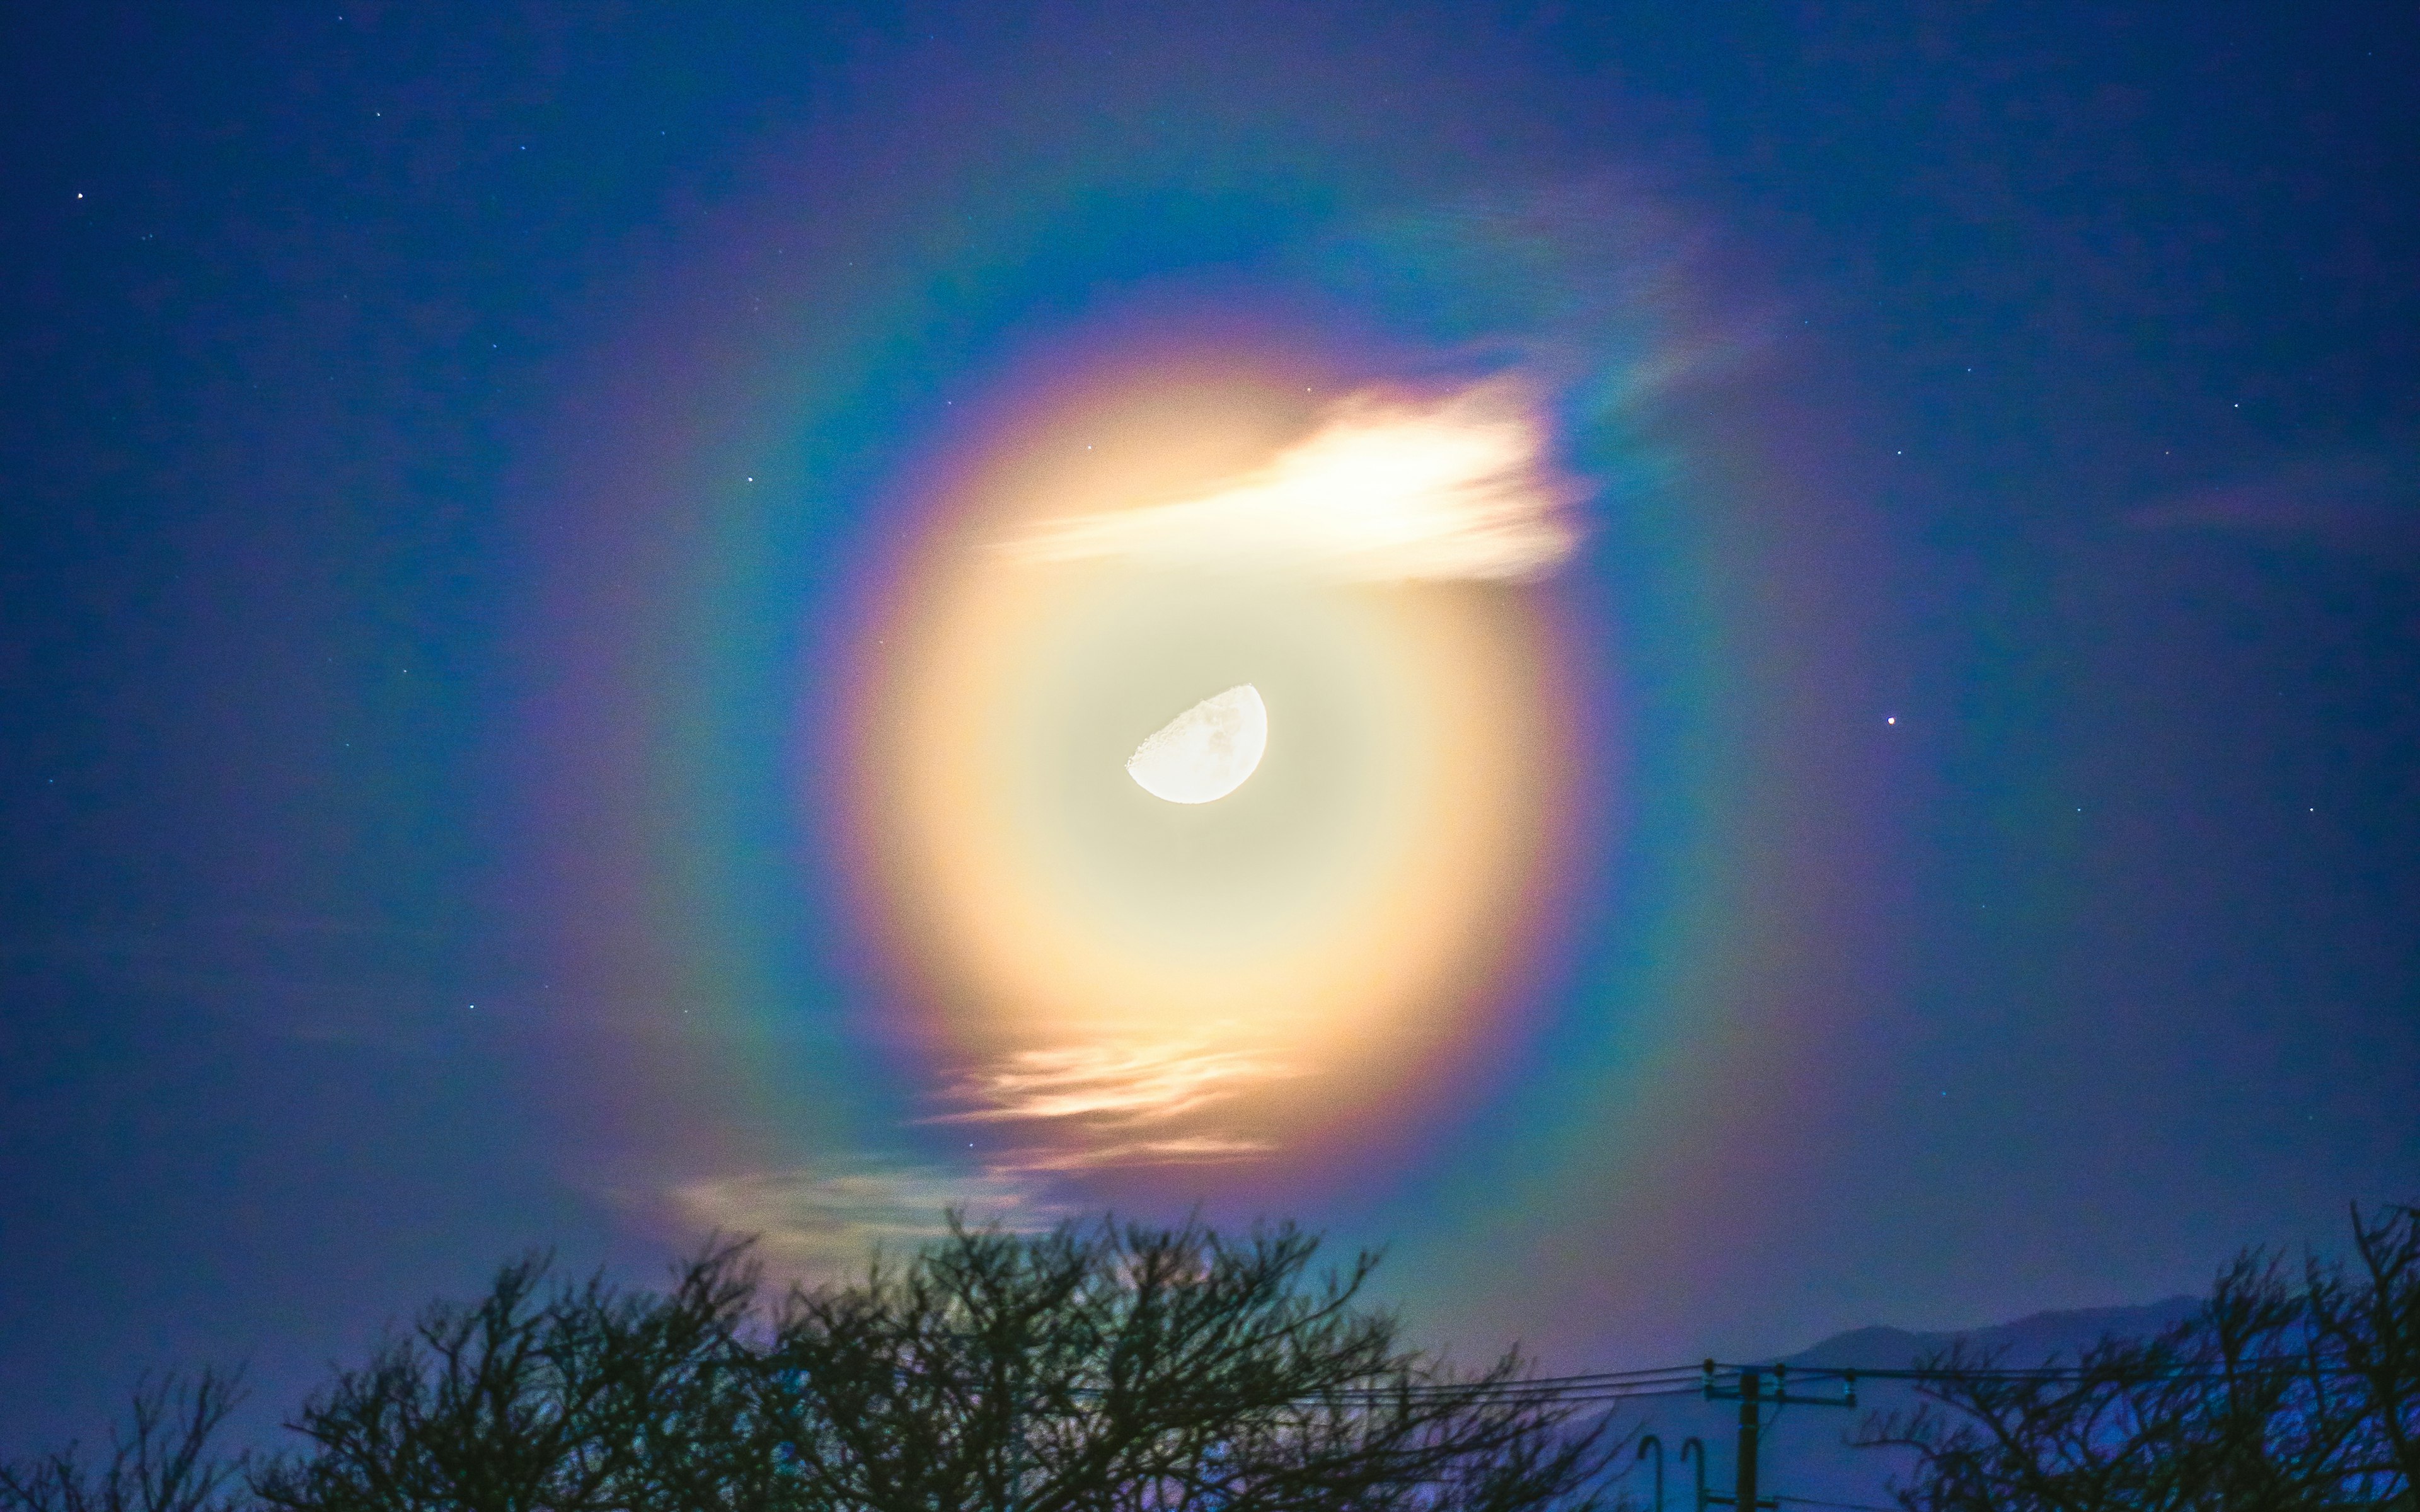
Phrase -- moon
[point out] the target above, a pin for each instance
(1207, 751)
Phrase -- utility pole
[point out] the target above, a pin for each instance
(1743, 1469)
(1748, 1391)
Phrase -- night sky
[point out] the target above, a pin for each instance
(485, 488)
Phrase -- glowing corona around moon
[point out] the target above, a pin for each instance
(1206, 752)
(1357, 570)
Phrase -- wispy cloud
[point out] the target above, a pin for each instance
(1067, 1112)
(2363, 496)
(1197, 1150)
(1119, 1085)
(816, 1222)
(1388, 489)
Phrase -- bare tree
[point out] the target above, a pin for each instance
(162, 1461)
(2365, 1325)
(1093, 1369)
(2275, 1395)
(569, 1398)
(1129, 1367)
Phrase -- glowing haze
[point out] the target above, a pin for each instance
(1131, 981)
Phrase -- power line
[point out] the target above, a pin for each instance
(1674, 1380)
(2267, 1365)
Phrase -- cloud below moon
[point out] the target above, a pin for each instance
(812, 1223)
(1113, 1084)
(1387, 488)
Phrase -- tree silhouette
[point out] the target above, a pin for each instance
(1097, 1369)
(2275, 1395)
(2365, 1322)
(1132, 1367)
(159, 1461)
(574, 1398)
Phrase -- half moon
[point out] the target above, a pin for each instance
(1207, 751)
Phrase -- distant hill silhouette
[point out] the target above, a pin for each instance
(2028, 1341)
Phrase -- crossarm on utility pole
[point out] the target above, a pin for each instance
(1749, 1394)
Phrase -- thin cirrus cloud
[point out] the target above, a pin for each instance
(812, 1223)
(1192, 1149)
(1388, 489)
(2363, 496)
(815, 1224)
(1118, 1085)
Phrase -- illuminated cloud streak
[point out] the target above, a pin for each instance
(1193, 1150)
(816, 1223)
(1115, 1085)
(1388, 489)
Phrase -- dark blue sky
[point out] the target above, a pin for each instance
(2110, 318)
